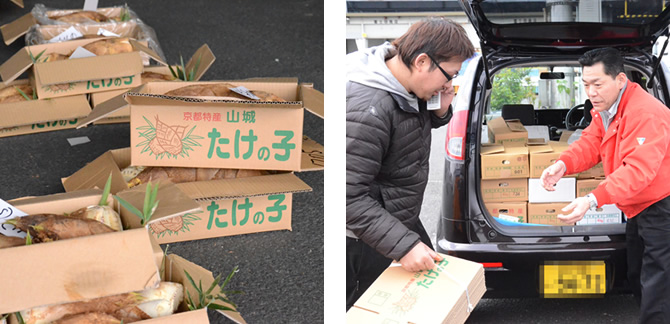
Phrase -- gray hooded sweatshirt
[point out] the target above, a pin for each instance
(388, 147)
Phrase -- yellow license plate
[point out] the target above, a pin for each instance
(572, 279)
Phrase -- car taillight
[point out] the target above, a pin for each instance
(455, 141)
(492, 264)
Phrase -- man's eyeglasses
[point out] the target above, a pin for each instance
(449, 77)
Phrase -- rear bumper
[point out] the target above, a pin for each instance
(519, 275)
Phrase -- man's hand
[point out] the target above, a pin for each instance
(446, 97)
(420, 257)
(577, 209)
(551, 175)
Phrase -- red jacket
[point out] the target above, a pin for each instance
(634, 152)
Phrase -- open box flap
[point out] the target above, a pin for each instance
(312, 155)
(89, 68)
(203, 58)
(172, 202)
(142, 48)
(244, 187)
(174, 271)
(15, 66)
(17, 28)
(106, 108)
(95, 174)
(312, 99)
(40, 111)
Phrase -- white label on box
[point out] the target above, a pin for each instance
(70, 33)
(607, 214)
(434, 102)
(564, 191)
(104, 32)
(8, 212)
(81, 52)
(245, 92)
(508, 218)
(90, 5)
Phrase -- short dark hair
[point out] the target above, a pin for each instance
(441, 38)
(609, 57)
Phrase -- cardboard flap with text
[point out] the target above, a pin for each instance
(81, 69)
(79, 268)
(40, 111)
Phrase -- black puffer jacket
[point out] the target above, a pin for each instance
(388, 146)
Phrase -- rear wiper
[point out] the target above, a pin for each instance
(657, 63)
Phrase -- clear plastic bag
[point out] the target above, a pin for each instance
(122, 22)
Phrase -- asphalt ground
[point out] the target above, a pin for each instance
(281, 272)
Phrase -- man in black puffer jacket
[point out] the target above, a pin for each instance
(388, 145)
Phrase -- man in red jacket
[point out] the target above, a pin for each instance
(630, 134)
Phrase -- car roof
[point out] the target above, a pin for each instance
(558, 26)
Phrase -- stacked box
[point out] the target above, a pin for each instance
(507, 132)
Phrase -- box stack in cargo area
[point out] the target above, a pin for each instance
(505, 171)
(511, 167)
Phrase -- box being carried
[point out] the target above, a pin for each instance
(444, 294)
(564, 191)
(207, 132)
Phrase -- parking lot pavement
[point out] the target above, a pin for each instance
(280, 272)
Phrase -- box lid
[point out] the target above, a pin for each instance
(17, 28)
(312, 99)
(79, 268)
(39, 111)
(81, 69)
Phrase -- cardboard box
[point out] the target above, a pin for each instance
(507, 132)
(542, 156)
(77, 76)
(229, 207)
(595, 172)
(502, 162)
(439, 295)
(565, 191)
(36, 116)
(100, 265)
(513, 209)
(607, 214)
(499, 190)
(203, 59)
(546, 213)
(213, 133)
(585, 186)
(94, 266)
